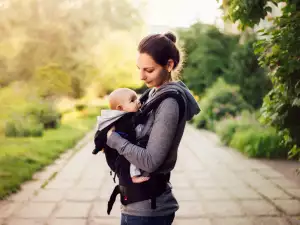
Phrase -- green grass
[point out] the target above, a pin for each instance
(20, 158)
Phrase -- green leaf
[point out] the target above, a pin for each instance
(296, 102)
(260, 30)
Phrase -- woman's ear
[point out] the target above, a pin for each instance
(170, 65)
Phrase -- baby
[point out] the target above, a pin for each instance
(125, 99)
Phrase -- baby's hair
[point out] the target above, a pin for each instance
(115, 97)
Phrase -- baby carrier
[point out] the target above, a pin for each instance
(134, 192)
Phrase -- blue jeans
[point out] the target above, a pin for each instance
(145, 220)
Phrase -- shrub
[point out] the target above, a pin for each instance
(259, 142)
(221, 100)
(45, 114)
(227, 127)
(25, 127)
(246, 134)
(80, 106)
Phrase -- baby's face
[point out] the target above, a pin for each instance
(131, 102)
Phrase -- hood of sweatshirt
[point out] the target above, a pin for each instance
(192, 107)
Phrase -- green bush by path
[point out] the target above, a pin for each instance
(259, 143)
(24, 114)
(23, 128)
(45, 114)
(21, 157)
(248, 136)
(227, 127)
(220, 100)
(32, 121)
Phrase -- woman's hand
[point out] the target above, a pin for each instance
(110, 131)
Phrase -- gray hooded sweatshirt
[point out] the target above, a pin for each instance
(160, 155)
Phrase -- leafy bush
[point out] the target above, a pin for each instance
(45, 114)
(246, 134)
(31, 120)
(23, 128)
(227, 127)
(221, 100)
(80, 106)
(259, 142)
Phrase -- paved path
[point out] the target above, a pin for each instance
(214, 185)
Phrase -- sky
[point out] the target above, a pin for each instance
(181, 13)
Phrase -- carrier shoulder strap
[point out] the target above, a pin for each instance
(143, 98)
(154, 103)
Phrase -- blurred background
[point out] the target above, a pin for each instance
(60, 58)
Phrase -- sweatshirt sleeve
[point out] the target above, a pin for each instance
(160, 140)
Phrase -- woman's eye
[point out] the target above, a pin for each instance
(149, 71)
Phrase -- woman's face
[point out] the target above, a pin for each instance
(151, 73)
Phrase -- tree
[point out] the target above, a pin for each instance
(245, 71)
(116, 63)
(52, 81)
(35, 34)
(279, 51)
(4, 77)
(212, 54)
(207, 55)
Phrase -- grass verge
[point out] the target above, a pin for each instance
(20, 158)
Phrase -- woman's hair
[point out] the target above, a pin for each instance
(161, 47)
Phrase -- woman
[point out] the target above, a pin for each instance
(158, 57)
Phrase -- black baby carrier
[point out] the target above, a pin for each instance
(134, 192)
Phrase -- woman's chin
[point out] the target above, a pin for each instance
(149, 85)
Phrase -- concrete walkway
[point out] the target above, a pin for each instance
(214, 186)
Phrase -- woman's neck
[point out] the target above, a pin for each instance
(165, 82)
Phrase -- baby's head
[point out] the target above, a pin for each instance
(124, 99)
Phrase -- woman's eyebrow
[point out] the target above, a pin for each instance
(150, 67)
(146, 67)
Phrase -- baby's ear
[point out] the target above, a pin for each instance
(119, 107)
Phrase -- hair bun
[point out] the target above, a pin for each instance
(171, 36)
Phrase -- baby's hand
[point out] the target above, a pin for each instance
(110, 131)
(140, 179)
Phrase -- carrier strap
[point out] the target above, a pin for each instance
(112, 198)
(124, 199)
(140, 192)
(147, 107)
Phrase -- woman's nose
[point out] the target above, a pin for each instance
(142, 75)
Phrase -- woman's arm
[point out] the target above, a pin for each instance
(160, 139)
